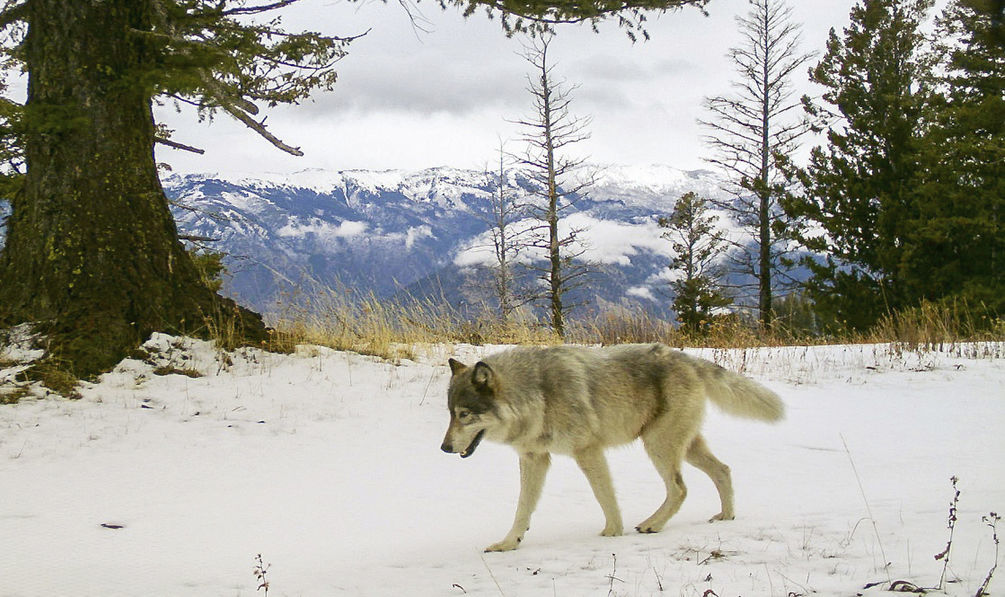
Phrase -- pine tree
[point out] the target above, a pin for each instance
(699, 250)
(859, 190)
(92, 254)
(956, 247)
(749, 131)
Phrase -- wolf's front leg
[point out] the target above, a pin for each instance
(533, 467)
(594, 465)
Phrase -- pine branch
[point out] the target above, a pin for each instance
(249, 10)
(176, 145)
(259, 127)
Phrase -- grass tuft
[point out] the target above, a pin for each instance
(394, 329)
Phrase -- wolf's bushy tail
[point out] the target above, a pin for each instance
(740, 396)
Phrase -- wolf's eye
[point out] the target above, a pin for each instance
(464, 415)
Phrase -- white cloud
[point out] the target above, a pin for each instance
(324, 230)
(407, 99)
(614, 242)
(641, 292)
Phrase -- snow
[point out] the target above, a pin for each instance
(655, 186)
(328, 464)
(443, 184)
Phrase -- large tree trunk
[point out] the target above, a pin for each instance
(92, 251)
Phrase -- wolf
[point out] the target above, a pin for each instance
(578, 401)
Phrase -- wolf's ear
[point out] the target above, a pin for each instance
(456, 366)
(483, 375)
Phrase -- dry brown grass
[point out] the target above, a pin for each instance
(932, 324)
(366, 324)
(394, 330)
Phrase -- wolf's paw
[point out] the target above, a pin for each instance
(507, 544)
(722, 516)
(649, 527)
(612, 531)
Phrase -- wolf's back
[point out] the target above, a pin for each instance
(740, 396)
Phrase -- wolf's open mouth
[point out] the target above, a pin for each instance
(474, 444)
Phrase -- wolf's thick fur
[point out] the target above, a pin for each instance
(579, 401)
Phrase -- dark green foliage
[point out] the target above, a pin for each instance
(11, 154)
(795, 315)
(905, 199)
(535, 16)
(957, 246)
(211, 268)
(92, 253)
(859, 204)
(698, 249)
(211, 55)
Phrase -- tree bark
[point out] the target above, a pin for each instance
(764, 194)
(554, 245)
(92, 252)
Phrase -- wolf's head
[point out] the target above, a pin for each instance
(472, 404)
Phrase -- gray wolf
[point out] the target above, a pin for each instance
(579, 401)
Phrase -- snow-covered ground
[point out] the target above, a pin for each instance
(328, 465)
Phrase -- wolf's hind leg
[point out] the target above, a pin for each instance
(594, 466)
(533, 467)
(699, 455)
(665, 446)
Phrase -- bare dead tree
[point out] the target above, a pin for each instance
(750, 130)
(548, 132)
(505, 211)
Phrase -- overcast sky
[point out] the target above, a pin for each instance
(412, 99)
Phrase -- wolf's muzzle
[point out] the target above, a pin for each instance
(474, 444)
(448, 447)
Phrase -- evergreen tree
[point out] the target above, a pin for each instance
(698, 253)
(859, 190)
(749, 131)
(92, 253)
(956, 247)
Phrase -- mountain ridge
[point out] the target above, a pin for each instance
(416, 232)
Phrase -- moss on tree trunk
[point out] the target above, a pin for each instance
(92, 252)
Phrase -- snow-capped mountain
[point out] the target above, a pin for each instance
(420, 232)
(423, 232)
